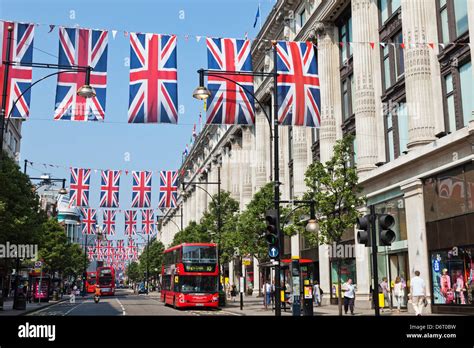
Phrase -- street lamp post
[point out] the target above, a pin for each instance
(202, 93)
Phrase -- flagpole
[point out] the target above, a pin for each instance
(260, 15)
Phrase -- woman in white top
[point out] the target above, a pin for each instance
(398, 292)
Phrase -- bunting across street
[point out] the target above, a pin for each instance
(230, 103)
(153, 79)
(109, 222)
(81, 47)
(19, 77)
(148, 221)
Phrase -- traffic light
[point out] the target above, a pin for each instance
(363, 235)
(271, 233)
(386, 236)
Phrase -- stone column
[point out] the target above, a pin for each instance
(418, 74)
(231, 273)
(256, 277)
(329, 79)
(192, 203)
(246, 170)
(364, 13)
(416, 229)
(235, 170)
(262, 144)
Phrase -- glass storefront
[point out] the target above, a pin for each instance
(348, 271)
(453, 276)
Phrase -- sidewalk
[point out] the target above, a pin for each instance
(254, 306)
(30, 307)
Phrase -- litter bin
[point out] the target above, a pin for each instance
(20, 302)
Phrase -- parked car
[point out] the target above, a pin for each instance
(142, 289)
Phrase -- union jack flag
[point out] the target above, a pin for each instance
(168, 189)
(89, 221)
(81, 47)
(132, 251)
(98, 248)
(148, 221)
(109, 250)
(91, 253)
(153, 79)
(141, 190)
(109, 221)
(299, 98)
(130, 222)
(230, 103)
(120, 250)
(19, 77)
(79, 187)
(109, 189)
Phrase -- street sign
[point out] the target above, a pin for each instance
(247, 261)
(38, 264)
(273, 252)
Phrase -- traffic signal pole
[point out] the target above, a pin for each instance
(276, 153)
(373, 233)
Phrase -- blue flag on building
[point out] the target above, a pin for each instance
(257, 16)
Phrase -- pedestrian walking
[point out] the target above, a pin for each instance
(418, 293)
(385, 290)
(317, 293)
(349, 296)
(233, 292)
(398, 292)
(72, 298)
(267, 290)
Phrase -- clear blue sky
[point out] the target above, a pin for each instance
(104, 145)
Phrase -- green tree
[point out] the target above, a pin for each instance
(58, 253)
(335, 189)
(133, 272)
(21, 221)
(154, 255)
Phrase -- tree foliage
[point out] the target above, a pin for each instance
(335, 189)
(154, 256)
(133, 272)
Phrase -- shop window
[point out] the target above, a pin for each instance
(387, 8)
(451, 194)
(345, 36)
(453, 276)
(348, 271)
(453, 19)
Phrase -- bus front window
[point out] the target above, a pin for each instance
(198, 284)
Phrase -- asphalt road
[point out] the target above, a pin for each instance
(123, 303)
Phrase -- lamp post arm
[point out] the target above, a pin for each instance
(246, 90)
(31, 86)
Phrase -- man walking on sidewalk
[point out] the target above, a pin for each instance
(418, 293)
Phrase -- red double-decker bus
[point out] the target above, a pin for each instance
(91, 282)
(189, 277)
(106, 280)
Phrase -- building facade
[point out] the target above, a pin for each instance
(397, 74)
(12, 139)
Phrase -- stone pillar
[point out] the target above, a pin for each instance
(363, 14)
(246, 170)
(416, 228)
(329, 78)
(262, 144)
(256, 277)
(235, 170)
(418, 75)
(324, 271)
(192, 203)
(231, 273)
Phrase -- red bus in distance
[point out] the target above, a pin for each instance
(106, 280)
(91, 282)
(190, 276)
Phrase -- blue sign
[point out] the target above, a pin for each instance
(273, 252)
(436, 266)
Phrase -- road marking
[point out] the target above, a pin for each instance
(121, 305)
(73, 308)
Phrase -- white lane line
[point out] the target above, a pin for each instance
(121, 305)
(73, 308)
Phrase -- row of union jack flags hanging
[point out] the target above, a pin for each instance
(110, 186)
(90, 222)
(153, 88)
(104, 250)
